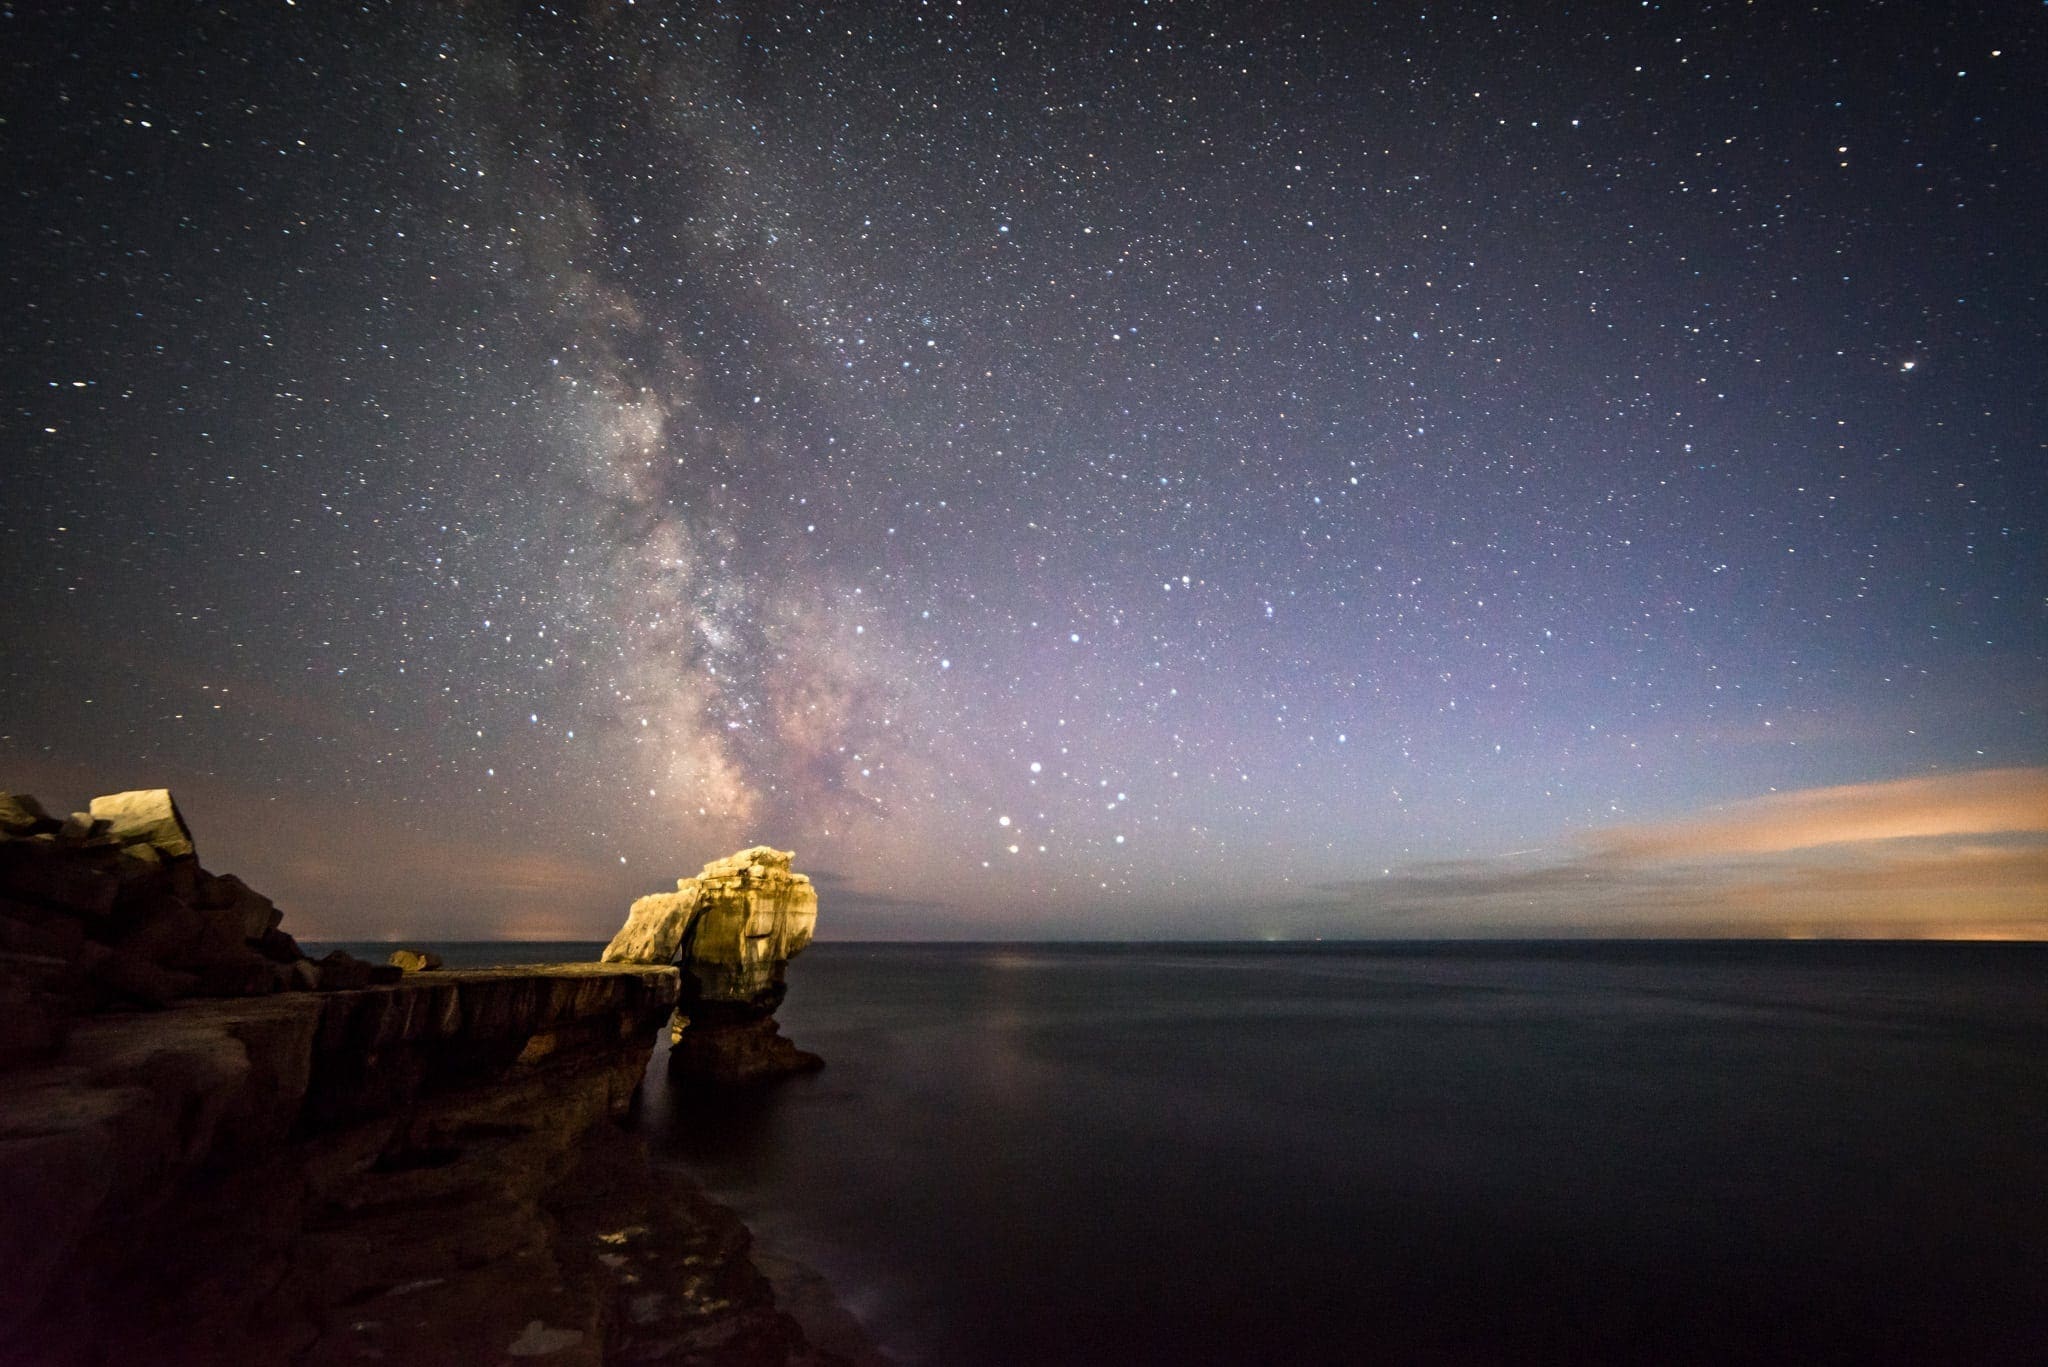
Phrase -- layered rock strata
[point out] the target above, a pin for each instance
(732, 930)
(243, 1178)
(424, 1173)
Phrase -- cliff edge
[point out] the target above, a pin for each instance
(214, 1150)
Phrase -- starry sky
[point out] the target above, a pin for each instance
(1129, 470)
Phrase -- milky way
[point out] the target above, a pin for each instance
(1166, 470)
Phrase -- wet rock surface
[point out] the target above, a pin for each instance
(732, 930)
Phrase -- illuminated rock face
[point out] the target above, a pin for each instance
(731, 929)
(654, 927)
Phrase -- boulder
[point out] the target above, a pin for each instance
(81, 828)
(415, 960)
(170, 930)
(341, 971)
(77, 881)
(22, 816)
(238, 972)
(224, 935)
(279, 947)
(117, 895)
(32, 1025)
(53, 936)
(134, 979)
(146, 816)
(255, 914)
(138, 869)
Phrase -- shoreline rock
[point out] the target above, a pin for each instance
(215, 1150)
(416, 1173)
(732, 930)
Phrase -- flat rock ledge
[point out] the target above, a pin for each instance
(427, 1172)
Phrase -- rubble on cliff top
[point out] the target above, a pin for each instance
(109, 908)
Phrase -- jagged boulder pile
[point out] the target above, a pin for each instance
(109, 908)
(732, 930)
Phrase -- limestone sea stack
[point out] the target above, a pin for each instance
(732, 930)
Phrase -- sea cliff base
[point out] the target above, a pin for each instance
(431, 1172)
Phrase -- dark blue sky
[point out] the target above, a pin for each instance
(1174, 470)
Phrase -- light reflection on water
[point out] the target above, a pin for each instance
(1032, 1154)
(1712, 1153)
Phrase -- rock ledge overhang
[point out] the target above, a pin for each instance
(107, 1142)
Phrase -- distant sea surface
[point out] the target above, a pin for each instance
(1471, 1153)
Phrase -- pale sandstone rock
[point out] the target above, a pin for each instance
(754, 916)
(734, 925)
(146, 816)
(415, 960)
(654, 927)
(732, 930)
(22, 816)
(80, 828)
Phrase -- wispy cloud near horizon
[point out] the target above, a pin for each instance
(1986, 802)
(1945, 856)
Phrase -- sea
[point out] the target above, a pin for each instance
(1577, 1152)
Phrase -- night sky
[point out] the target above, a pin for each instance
(1117, 470)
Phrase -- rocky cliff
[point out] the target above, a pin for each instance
(256, 1180)
(201, 1166)
(109, 908)
(732, 930)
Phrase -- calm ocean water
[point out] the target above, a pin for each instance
(1620, 1152)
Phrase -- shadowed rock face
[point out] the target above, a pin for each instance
(337, 1162)
(732, 929)
(326, 1177)
(109, 909)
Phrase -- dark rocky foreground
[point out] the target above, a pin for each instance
(429, 1172)
(216, 1150)
(110, 909)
